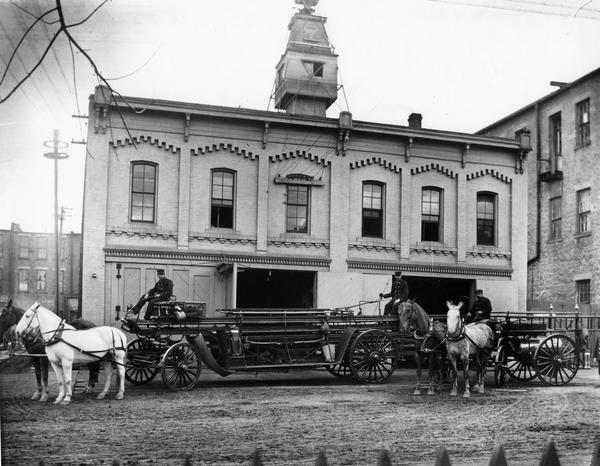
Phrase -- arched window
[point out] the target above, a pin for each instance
(431, 214)
(222, 198)
(486, 218)
(372, 209)
(143, 192)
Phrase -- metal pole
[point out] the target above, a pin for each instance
(55, 155)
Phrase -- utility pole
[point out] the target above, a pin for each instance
(55, 155)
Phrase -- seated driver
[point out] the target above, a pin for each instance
(162, 291)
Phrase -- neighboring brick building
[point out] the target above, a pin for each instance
(28, 271)
(563, 241)
(249, 208)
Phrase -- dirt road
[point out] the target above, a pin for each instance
(291, 417)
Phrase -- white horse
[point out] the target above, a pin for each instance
(462, 341)
(65, 345)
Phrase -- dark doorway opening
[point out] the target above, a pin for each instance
(433, 292)
(268, 288)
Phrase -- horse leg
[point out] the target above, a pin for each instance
(121, 376)
(44, 378)
(434, 371)
(465, 361)
(67, 369)
(454, 370)
(108, 376)
(419, 360)
(94, 369)
(59, 378)
(38, 377)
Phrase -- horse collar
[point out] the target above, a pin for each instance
(460, 335)
(57, 335)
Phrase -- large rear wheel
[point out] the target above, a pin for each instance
(500, 367)
(142, 361)
(373, 356)
(556, 360)
(181, 366)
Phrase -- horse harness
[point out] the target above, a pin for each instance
(428, 334)
(57, 337)
(462, 334)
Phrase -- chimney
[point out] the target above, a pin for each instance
(414, 120)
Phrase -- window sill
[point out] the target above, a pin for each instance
(583, 235)
(554, 241)
(584, 145)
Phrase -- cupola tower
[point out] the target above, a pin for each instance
(306, 81)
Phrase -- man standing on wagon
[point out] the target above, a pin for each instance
(399, 293)
(160, 292)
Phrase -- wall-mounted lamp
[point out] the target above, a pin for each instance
(118, 270)
(94, 275)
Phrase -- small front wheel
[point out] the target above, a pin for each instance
(181, 366)
(142, 361)
(373, 356)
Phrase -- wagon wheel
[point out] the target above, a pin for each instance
(519, 364)
(181, 366)
(500, 367)
(556, 360)
(142, 357)
(340, 370)
(373, 356)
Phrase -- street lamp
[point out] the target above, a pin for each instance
(55, 155)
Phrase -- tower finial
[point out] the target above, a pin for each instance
(309, 6)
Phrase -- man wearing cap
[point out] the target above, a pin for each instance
(160, 292)
(482, 308)
(398, 293)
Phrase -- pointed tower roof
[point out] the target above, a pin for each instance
(307, 71)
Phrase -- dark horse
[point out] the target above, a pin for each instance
(9, 317)
(429, 338)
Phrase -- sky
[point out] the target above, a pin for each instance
(462, 64)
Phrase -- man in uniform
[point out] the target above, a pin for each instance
(160, 292)
(398, 293)
(482, 308)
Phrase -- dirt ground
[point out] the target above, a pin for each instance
(291, 417)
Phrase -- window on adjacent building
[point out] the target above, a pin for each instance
(143, 192)
(314, 68)
(42, 248)
(372, 209)
(23, 280)
(61, 281)
(486, 219)
(555, 137)
(582, 114)
(221, 213)
(297, 209)
(431, 211)
(23, 247)
(40, 281)
(583, 291)
(556, 218)
(583, 210)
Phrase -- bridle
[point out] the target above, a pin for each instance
(461, 331)
(428, 333)
(56, 333)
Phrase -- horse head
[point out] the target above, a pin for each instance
(8, 317)
(407, 316)
(453, 319)
(29, 323)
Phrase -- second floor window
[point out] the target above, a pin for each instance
(42, 248)
(143, 192)
(23, 280)
(23, 247)
(486, 219)
(431, 203)
(583, 210)
(555, 136)
(582, 115)
(297, 209)
(583, 291)
(40, 281)
(372, 210)
(221, 207)
(556, 218)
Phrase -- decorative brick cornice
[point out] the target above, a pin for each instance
(375, 161)
(299, 154)
(489, 254)
(298, 243)
(130, 233)
(433, 250)
(224, 147)
(433, 166)
(491, 172)
(429, 269)
(222, 238)
(379, 246)
(144, 139)
(136, 254)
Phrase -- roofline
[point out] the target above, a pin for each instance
(532, 105)
(239, 113)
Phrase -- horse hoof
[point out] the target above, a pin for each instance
(35, 396)
(101, 396)
(65, 402)
(431, 392)
(88, 390)
(43, 398)
(119, 396)
(57, 401)
(466, 395)
(417, 392)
